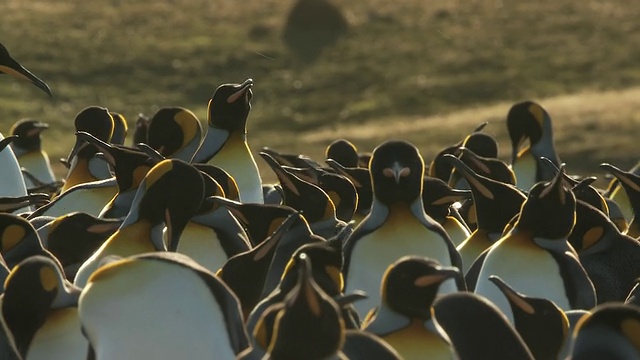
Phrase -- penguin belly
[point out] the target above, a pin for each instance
(416, 343)
(88, 200)
(402, 234)
(37, 163)
(11, 181)
(178, 320)
(471, 248)
(526, 170)
(60, 337)
(235, 158)
(201, 243)
(527, 268)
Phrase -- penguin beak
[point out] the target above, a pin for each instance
(513, 296)
(38, 128)
(243, 90)
(77, 146)
(12, 68)
(442, 273)
(396, 171)
(556, 185)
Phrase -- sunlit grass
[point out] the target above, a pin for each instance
(425, 71)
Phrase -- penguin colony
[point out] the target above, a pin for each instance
(173, 248)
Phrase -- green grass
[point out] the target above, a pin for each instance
(440, 66)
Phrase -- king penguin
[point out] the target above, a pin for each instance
(403, 318)
(496, 203)
(543, 326)
(538, 245)
(529, 121)
(477, 328)
(158, 203)
(396, 226)
(179, 310)
(611, 331)
(28, 150)
(225, 144)
(39, 307)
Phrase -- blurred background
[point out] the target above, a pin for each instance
(425, 71)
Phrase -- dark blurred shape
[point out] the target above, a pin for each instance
(313, 25)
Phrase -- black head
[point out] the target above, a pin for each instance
(309, 325)
(525, 121)
(396, 170)
(173, 192)
(28, 132)
(230, 105)
(410, 285)
(32, 289)
(140, 131)
(120, 128)
(550, 209)
(482, 144)
(172, 128)
(344, 152)
(540, 322)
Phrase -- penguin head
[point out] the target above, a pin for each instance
(504, 200)
(33, 287)
(630, 183)
(611, 331)
(223, 178)
(410, 285)
(344, 152)
(540, 322)
(526, 121)
(96, 121)
(230, 105)
(397, 169)
(302, 195)
(309, 324)
(172, 191)
(171, 129)
(549, 210)
(120, 128)
(11, 67)
(481, 144)
(28, 132)
(72, 238)
(18, 239)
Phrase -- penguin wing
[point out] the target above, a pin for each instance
(580, 290)
(454, 255)
(471, 276)
(365, 228)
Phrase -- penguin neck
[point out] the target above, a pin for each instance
(386, 321)
(142, 234)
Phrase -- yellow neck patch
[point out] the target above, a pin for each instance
(631, 330)
(48, 278)
(12, 236)
(591, 237)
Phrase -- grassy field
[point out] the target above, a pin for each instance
(428, 72)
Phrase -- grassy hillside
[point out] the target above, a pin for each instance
(425, 71)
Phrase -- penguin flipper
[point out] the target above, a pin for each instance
(580, 290)
(471, 276)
